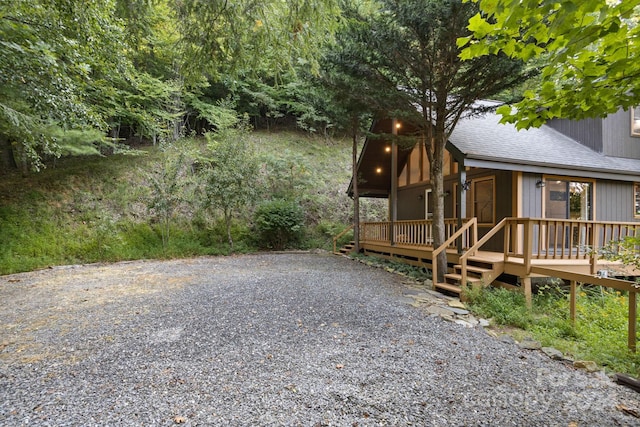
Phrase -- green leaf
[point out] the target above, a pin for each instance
(479, 26)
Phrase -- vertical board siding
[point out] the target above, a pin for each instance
(614, 201)
(587, 132)
(411, 203)
(504, 195)
(531, 196)
(617, 139)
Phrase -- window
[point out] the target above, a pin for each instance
(635, 121)
(637, 199)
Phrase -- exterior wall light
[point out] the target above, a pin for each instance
(540, 183)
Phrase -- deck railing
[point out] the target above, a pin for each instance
(375, 232)
(528, 239)
(561, 239)
(411, 233)
(337, 237)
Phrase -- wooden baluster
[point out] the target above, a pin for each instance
(631, 334)
(528, 247)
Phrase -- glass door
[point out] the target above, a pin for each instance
(566, 199)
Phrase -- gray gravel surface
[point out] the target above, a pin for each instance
(268, 339)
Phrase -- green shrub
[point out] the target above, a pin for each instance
(322, 234)
(279, 224)
(504, 306)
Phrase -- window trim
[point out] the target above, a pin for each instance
(635, 131)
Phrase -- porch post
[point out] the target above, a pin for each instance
(393, 195)
(462, 199)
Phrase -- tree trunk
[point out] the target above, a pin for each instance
(356, 196)
(437, 181)
(7, 160)
(20, 158)
(227, 221)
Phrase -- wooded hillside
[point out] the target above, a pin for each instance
(91, 209)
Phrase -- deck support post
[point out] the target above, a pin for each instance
(572, 301)
(528, 246)
(526, 285)
(631, 339)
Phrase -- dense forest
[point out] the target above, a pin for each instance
(86, 84)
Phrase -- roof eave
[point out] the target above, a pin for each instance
(549, 169)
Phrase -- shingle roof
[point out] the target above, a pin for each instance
(485, 138)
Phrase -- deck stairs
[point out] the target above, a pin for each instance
(346, 249)
(480, 272)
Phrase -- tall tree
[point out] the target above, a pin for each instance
(50, 52)
(224, 37)
(230, 173)
(351, 97)
(589, 51)
(409, 48)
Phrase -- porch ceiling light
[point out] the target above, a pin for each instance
(387, 149)
(378, 170)
(398, 125)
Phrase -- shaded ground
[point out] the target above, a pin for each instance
(269, 339)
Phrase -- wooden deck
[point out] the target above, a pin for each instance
(532, 247)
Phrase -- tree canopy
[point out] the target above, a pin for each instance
(150, 69)
(588, 52)
(406, 52)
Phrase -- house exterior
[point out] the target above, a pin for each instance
(518, 204)
(581, 170)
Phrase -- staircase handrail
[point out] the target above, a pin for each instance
(434, 255)
(342, 233)
(474, 249)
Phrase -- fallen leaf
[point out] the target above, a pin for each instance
(339, 366)
(291, 388)
(179, 420)
(627, 410)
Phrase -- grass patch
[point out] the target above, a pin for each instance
(393, 266)
(599, 332)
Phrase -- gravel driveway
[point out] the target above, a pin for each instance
(268, 340)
